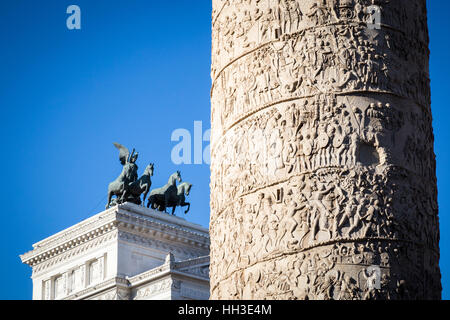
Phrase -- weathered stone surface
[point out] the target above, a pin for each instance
(323, 180)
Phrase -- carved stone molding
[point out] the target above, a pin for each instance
(125, 219)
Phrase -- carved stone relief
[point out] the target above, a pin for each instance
(323, 182)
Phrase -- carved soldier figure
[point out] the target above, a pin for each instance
(296, 15)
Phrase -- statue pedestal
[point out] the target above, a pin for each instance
(127, 252)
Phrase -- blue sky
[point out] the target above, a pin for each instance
(134, 73)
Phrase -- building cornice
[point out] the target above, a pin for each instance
(197, 262)
(164, 227)
(45, 263)
(128, 218)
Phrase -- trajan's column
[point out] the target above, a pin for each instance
(323, 181)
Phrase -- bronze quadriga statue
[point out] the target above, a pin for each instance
(129, 188)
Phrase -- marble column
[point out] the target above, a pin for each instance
(323, 176)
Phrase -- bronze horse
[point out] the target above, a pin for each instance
(118, 187)
(161, 198)
(141, 186)
(183, 190)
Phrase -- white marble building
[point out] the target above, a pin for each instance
(127, 253)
